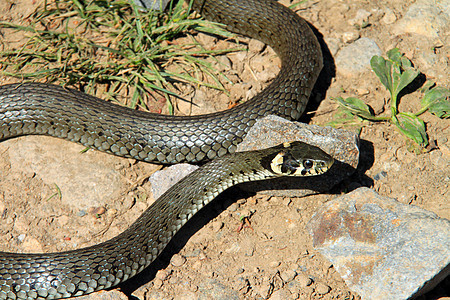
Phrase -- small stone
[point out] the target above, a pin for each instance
(217, 226)
(380, 175)
(439, 160)
(280, 295)
(274, 264)
(21, 237)
(389, 17)
(177, 260)
(97, 211)
(350, 36)
(362, 91)
(362, 17)
(233, 207)
(333, 44)
(322, 289)
(355, 58)
(303, 280)
(224, 62)
(256, 46)
(288, 275)
(84, 180)
(162, 180)
(81, 213)
(157, 283)
(162, 274)
(206, 39)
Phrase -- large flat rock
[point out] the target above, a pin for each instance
(382, 248)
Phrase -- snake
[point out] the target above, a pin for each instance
(45, 109)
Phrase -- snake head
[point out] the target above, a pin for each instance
(300, 159)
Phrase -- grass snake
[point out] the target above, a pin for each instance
(35, 108)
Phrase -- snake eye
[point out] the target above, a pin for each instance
(308, 164)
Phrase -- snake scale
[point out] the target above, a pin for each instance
(35, 108)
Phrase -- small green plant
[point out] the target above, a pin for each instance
(114, 43)
(396, 73)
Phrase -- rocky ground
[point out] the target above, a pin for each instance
(244, 246)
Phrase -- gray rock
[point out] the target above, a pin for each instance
(355, 58)
(429, 18)
(152, 4)
(382, 248)
(272, 130)
(162, 180)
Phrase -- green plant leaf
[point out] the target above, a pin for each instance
(437, 101)
(383, 69)
(406, 77)
(395, 55)
(412, 127)
(355, 105)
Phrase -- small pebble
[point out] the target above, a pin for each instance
(362, 16)
(196, 265)
(97, 211)
(217, 226)
(21, 237)
(162, 274)
(380, 175)
(350, 36)
(233, 207)
(288, 275)
(274, 264)
(177, 260)
(389, 17)
(157, 283)
(81, 213)
(362, 91)
(256, 46)
(280, 294)
(252, 201)
(193, 288)
(322, 289)
(303, 280)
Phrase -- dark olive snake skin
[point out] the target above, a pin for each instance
(32, 108)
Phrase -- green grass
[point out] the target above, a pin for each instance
(114, 44)
(396, 73)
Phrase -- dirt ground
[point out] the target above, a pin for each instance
(218, 255)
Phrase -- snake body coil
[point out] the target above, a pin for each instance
(51, 110)
(32, 108)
